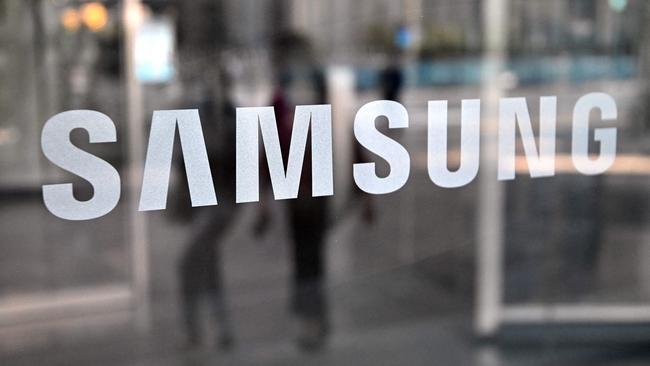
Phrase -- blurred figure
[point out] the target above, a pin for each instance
(300, 81)
(200, 267)
(392, 79)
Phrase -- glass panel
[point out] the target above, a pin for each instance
(574, 238)
(407, 255)
(48, 69)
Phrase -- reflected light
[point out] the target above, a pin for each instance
(618, 5)
(135, 13)
(70, 19)
(94, 16)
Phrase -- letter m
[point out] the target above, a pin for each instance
(285, 183)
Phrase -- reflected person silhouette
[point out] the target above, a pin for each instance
(300, 81)
(200, 269)
(391, 78)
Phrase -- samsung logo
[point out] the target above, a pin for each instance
(316, 121)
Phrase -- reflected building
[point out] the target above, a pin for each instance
(547, 26)
(584, 26)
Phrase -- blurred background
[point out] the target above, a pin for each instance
(524, 272)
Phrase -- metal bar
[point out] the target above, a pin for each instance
(489, 272)
(578, 313)
(132, 17)
(50, 305)
(625, 164)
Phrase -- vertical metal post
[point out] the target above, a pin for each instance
(132, 14)
(489, 271)
(644, 62)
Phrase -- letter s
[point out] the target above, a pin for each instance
(57, 147)
(368, 136)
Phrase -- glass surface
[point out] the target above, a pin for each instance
(46, 70)
(351, 278)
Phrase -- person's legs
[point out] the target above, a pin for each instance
(308, 293)
(308, 299)
(221, 319)
(200, 271)
(190, 307)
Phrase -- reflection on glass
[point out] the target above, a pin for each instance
(353, 278)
